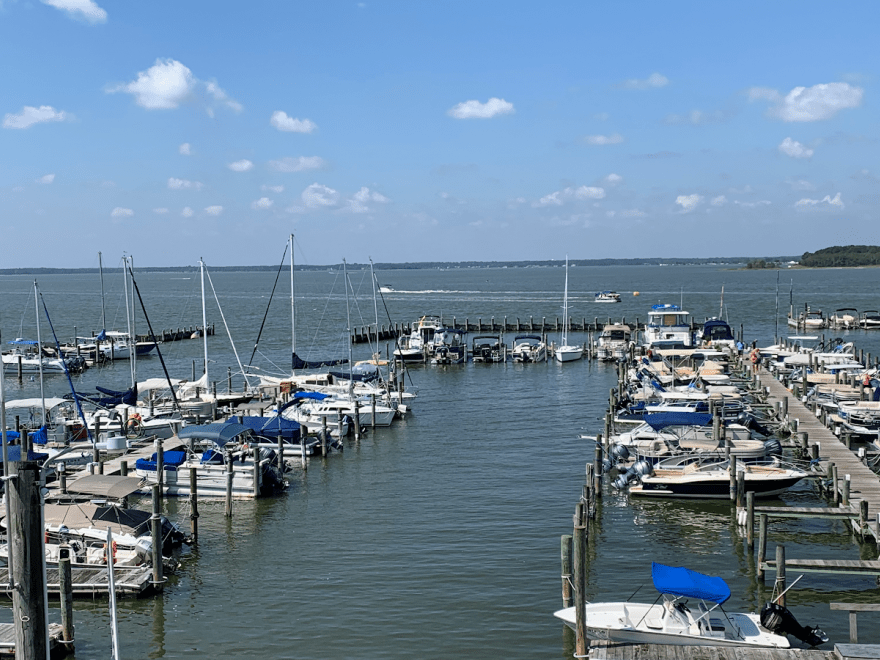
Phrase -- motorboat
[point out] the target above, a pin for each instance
(414, 347)
(668, 326)
(614, 342)
(488, 348)
(448, 346)
(528, 348)
(860, 417)
(27, 356)
(607, 297)
(809, 319)
(870, 319)
(844, 318)
(689, 612)
(566, 352)
(716, 333)
(698, 480)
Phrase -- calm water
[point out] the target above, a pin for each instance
(439, 536)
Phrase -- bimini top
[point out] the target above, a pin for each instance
(661, 420)
(669, 307)
(680, 581)
(220, 433)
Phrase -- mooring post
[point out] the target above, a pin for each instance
(863, 518)
(834, 484)
(750, 521)
(740, 487)
(579, 552)
(762, 544)
(255, 453)
(565, 543)
(324, 432)
(779, 588)
(844, 497)
(194, 504)
(156, 521)
(357, 421)
(373, 411)
(280, 452)
(732, 470)
(228, 484)
(160, 466)
(597, 470)
(302, 449)
(65, 588)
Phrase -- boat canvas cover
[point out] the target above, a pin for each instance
(680, 581)
(661, 420)
(299, 363)
(220, 433)
(105, 485)
(270, 427)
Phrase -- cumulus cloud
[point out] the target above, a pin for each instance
(185, 149)
(183, 184)
(721, 200)
(688, 202)
(274, 189)
(214, 210)
(794, 149)
(318, 196)
(120, 212)
(187, 212)
(282, 122)
(477, 110)
(83, 9)
(614, 138)
(168, 84)
(262, 203)
(300, 164)
(46, 179)
(30, 115)
(613, 180)
(560, 197)
(833, 202)
(653, 81)
(809, 103)
(358, 202)
(242, 165)
(160, 211)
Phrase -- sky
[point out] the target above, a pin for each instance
(434, 130)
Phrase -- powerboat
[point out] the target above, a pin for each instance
(614, 342)
(844, 318)
(689, 612)
(668, 326)
(809, 319)
(448, 346)
(607, 297)
(414, 347)
(529, 348)
(487, 348)
(870, 319)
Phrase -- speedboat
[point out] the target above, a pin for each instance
(448, 346)
(870, 319)
(414, 347)
(607, 297)
(668, 326)
(487, 348)
(614, 342)
(529, 348)
(701, 621)
(845, 318)
(809, 319)
(717, 333)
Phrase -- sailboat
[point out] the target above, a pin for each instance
(565, 352)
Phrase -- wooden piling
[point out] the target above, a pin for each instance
(228, 484)
(565, 549)
(740, 488)
(762, 544)
(324, 432)
(65, 588)
(750, 521)
(779, 587)
(255, 452)
(156, 521)
(579, 552)
(194, 504)
(732, 469)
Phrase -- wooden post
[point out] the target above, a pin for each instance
(373, 411)
(740, 487)
(324, 430)
(844, 497)
(281, 451)
(357, 421)
(27, 553)
(65, 587)
(123, 468)
(579, 552)
(160, 466)
(194, 504)
(732, 469)
(565, 543)
(814, 452)
(96, 453)
(750, 521)
(834, 485)
(597, 470)
(228, 484)
(302, 448)
(255, 452)
(156, 521)
(863, 518)
(762, 544)
(780, 575)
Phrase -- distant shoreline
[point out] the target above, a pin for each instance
(427, 265)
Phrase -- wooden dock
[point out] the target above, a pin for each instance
(92, 582)
(603, 650)
(864, 485)
(7, 640)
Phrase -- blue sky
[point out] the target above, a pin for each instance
(434, 131)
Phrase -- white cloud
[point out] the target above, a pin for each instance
(214, 210)
(85, 9)
(809, 103)
(169, 83)
(614, 138)
(834, 202)
(559, 197)
(30, 115)
(185, 149)
(319, 196)
(242, 165)
(183, 184)
(48, 178)
(358, 202)
(120, 212)
(794, 149)
(721, 200)
(187, 212)
(652, 81)
(262, 203)
(282, 122)
(696, 118)
(477, 110)
(160, 211)
(274, 189)
(300, 164)
(613, 180)
(752, 205)
(688, 202)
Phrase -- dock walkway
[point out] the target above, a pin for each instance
(90, 582)
(864, 484)
(602, 650)
(7, 639)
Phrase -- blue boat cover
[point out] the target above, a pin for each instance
(270, 427)
(220, 433)
(299, 363)
(661, 420)
(23, 342)
(171, 460)
(317, 396)
(680, 581)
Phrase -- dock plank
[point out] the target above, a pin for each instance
(613, 651)
(93, 581)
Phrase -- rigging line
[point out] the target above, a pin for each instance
(263, 324)
(66, 370)
(153, 337)
(228, 333)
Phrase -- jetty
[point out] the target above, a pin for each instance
(603, 650)
(88, 582)
(7, 641)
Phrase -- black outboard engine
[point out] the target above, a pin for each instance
(619, 452)
(779, 620)
(753, 424)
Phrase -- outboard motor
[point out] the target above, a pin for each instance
(753, 424)
(606, 465)
(619, 452)
(779, 620)
(642, 468)
(625, 479)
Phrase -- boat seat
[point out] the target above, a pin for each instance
(654, 622)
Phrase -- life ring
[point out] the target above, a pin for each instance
(113, 549)
(134, 427)
(754, 356)
(867, 381)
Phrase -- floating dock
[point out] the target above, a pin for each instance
(7, 640)
(603, 650)
(91, 582)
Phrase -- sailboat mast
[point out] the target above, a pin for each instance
(204, 320)
(375, 304)
(40, 352)
(292, 303)
(348, 330)
(103, 314)
(128, 318)
(132, 332)
(565, 307)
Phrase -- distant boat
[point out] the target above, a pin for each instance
(607, 297)
(386, 289)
